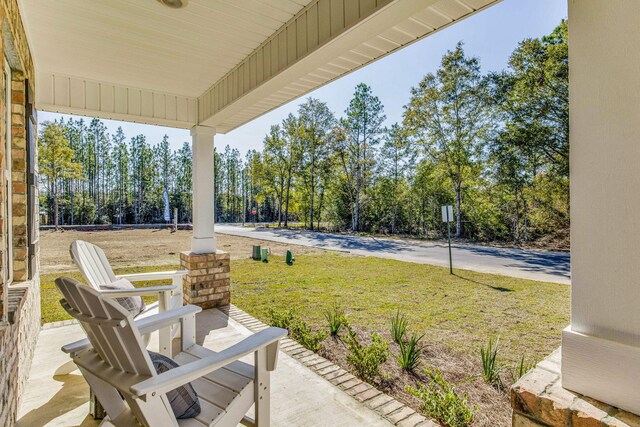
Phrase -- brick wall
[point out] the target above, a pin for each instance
(17, 344)
(18, 336)
(14, 48)
(19, 176)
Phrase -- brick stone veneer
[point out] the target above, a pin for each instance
(208, 281)
(17, 344)
(18, 335)
(538, 399)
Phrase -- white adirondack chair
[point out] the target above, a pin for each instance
(117, 366)
(96, 269)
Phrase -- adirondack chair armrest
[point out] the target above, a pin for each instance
(166, 318)
(267, 338)
(145, 325)
(137, 292)
(154, 275)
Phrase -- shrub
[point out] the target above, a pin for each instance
(490, 367)
(440, 401)
(280, 318)
(336, 319)
(303, 333)
(410, 353)
(366, 359)
(398, 327)
(522, 368)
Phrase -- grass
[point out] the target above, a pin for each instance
(51, 309)
(460, 311)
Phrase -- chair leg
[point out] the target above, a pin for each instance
(95, 407)
(107, 396)
(262, 389)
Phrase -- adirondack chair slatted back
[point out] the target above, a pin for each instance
(93, 263)
(108, 326)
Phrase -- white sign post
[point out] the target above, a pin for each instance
(447, 216)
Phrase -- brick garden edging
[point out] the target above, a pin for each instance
(389, 408)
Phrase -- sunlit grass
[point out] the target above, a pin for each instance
(460, 311)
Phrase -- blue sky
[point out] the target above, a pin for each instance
(491, 35)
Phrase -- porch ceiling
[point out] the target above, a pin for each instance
(143, 44)
(219, 63)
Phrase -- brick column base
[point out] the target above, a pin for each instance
(538, 400)
(207, 283)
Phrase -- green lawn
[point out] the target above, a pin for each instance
(51, 309)
(460, 312)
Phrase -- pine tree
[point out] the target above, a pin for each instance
(316, 122)
(56, 162)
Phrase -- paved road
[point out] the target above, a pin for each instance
(543, 266)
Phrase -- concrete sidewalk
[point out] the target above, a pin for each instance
(300, 397)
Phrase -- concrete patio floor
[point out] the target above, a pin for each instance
(300, 397)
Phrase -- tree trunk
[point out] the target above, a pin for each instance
(279, 210)
(321, 199)
(286, 204)
(55, 207)
(311, 198)
(458, 215)
(356, 221)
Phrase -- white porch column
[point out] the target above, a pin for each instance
(601, 348)
(203, 240)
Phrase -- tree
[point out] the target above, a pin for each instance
(276, 160)
(141, 176)
(292, 132)
(397, 155)
(359, 133)
(121, 175)
(532, 148)
(164, 159)
(316, 122)
(536, 96)
(99, 164)
(56, 161)
(449, 115)
(184, 168)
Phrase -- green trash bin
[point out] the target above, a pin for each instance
(265, 255)
(256, 252)
(289, 258)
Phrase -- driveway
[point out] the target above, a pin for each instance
(526, 264)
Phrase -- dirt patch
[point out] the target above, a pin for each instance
(145, 247)
(490, 406)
